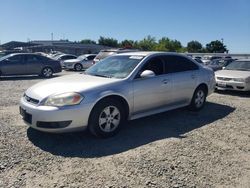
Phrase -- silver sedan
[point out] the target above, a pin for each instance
(119, 88)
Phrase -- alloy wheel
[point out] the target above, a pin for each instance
(109, 119)
(199, 98)
(47, 72)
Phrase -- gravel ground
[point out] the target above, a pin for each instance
(210, 148)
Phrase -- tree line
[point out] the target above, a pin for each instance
(150, 43)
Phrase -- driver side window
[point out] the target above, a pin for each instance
(154, 64)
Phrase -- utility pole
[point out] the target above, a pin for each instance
(52, 36)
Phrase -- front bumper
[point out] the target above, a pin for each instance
(230, 85)
(61, 119)
(68, 66)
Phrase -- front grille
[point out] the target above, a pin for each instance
(224, 78)
(30, 100)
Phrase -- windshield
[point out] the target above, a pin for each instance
(5, 57)
(115, 66)
(239, 65)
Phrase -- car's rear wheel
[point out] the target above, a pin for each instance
(78, 67)
(106, 118)
(199, 98)
(47, 72)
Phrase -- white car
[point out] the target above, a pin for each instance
(235, 76)
(82, 62)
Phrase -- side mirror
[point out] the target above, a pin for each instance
(147, 74)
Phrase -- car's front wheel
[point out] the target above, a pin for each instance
(47, 72)
(78, 67)
(106, 118)
(199, 98)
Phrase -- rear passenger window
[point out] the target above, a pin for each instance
(178, 64)
(31, 58)
(90, 57)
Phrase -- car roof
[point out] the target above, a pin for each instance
(148, 53)
(87, 55)
(24, 54)
(243, 60)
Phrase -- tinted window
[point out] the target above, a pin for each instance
(154, 64)
(91, 57)
(67, 57)
(16, 58)
(32, 58)
(178, 64)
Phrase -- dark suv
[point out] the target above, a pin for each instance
(28, 64)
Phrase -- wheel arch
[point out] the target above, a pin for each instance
(203, 85)
(116, 97)
(48, 66)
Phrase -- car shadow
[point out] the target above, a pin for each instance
(245, 94)
(172, 124)
(31, 77)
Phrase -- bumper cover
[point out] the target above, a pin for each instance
(63, 119)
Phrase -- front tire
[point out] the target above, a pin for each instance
(78, 67)
(106, 118)
(199, 99)
(47, 72)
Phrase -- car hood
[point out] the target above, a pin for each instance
(72, 61)
(70, 83)
(232, 74)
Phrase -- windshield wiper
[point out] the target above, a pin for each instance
(243, 69)
(101, 75)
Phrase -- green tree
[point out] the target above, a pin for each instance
(111, 42)
(127, 43)
(87, 41)
(216, 47)
(194, 46)
(147, 44)
(166, 44)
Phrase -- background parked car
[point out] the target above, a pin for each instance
(82, 62)
(235, 76)
(63, 57)
(108, 52)
(207, 59)
(28, 64)
(198, 60)
(218, 64)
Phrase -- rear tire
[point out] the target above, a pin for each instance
(106, 118)
(199, 99)
(47, 72)
(78, 67)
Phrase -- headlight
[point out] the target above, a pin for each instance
(64, 99)
(238, 79)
